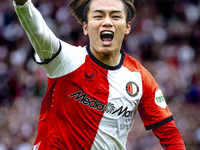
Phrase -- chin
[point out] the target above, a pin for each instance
(107, 49)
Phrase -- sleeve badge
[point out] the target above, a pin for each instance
(159, 99)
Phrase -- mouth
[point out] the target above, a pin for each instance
(106, 37)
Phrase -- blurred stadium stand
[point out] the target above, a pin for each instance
(165, 38)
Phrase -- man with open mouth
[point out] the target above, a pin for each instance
(94, 91)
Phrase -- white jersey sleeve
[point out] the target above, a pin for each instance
(66, 60)
(42, 38)
(56, 57)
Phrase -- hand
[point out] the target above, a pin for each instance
(20, 2)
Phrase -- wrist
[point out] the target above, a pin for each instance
(20, 2)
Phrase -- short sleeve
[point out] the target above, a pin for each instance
(152, 108)
(67, 59)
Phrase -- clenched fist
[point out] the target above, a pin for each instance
(20, 2)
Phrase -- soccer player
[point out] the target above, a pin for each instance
(94, 91)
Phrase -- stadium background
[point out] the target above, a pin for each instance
(165, 38)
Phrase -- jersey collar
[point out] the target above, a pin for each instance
(104, 65)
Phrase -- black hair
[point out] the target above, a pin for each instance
(85, 12)
(80, 9)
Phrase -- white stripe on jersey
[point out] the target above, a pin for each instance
(118, 119)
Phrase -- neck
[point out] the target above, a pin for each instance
(110, 59)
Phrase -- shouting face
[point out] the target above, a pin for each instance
(106, 27)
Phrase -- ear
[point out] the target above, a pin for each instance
(85, 28)
(128, 28)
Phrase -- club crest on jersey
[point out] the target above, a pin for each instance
(132, 89)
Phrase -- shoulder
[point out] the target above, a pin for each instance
(68, 59)
(72, 48)
(135, 66)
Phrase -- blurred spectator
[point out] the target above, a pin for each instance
(165, 38)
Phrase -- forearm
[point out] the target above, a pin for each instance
(169, 136)
(43, 40)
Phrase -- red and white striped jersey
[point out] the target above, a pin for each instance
(90, 105)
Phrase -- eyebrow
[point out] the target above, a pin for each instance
(113, 11)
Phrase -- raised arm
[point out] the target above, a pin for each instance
(45, 43)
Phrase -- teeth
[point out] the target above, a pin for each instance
(106, 42)
(106, 32)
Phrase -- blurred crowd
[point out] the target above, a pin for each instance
(165, 38)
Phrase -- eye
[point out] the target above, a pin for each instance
(116, 17)
(98, 16)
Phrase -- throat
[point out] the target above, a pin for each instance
(110, 60)
(106, 55)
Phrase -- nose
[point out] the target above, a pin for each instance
(107, 22)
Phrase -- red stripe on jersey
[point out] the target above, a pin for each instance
(130, 88)
(73, 107)
(130, 63)
(150, 113)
